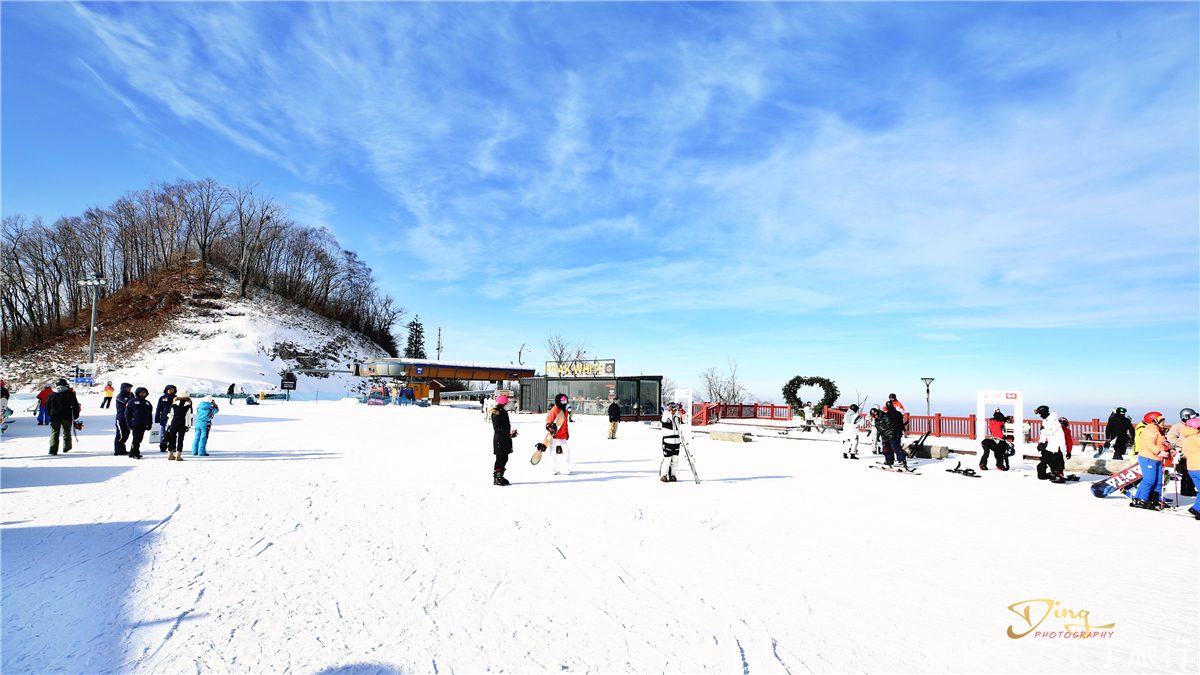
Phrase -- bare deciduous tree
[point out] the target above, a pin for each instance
(563, 351)
(720, 388)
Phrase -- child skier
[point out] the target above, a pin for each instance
(1068, 439)
(502, 435)
(671, 442)
(179, 420)
(204, 417)
(139, 418)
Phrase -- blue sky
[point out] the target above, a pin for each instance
(995, 195)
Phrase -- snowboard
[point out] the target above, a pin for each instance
(966, 472)
(1121, 480)
(537, 454)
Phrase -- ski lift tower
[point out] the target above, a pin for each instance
(927, 380)
(95, 282)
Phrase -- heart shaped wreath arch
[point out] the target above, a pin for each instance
(826, 385)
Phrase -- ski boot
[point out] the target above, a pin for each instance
(1059, 480)
(663, 479)
(498, 478)
(672, 478)
(1194, 512)
(1136, 503)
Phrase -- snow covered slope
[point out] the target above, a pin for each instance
(335, 537)
(212, 341)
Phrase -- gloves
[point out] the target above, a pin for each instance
(1041, 446)
(552, 428)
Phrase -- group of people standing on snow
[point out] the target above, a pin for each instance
(558, 432)
(174, 414)
(885, 423)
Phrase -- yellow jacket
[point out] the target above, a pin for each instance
(1190, 440)
(1149, 442)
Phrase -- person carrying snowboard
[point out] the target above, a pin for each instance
(614, 418)
(1051, 444)
(1118, 431)
(63, 408)
(180, 417)
(1152, 449)
(204, 419)
(556, 436)
(139, 418)
(671, 442)
(502, 435)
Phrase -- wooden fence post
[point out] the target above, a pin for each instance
(937, 424)
(974, 431)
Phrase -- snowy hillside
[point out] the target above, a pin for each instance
(210, 341)
(334, 537)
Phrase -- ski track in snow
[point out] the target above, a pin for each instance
(335, 537)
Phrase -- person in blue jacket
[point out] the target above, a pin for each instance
(204, 417)
(123, 400)
(139, 415)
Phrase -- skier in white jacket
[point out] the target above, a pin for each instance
(1051, 444)
(851, 434)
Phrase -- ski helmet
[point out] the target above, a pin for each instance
(853, 408)
(1063, 421)
(1042, 410)
(1186, 414)
(891, 397)
(1120, 411)
(1194, 423)
(1151, 417)
(62, 382)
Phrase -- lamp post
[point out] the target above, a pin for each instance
(95, 282)
(927, 380)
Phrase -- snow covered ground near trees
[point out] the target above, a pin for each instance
(337, 537)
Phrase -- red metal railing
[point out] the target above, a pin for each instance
(710, 413)
(965, 427)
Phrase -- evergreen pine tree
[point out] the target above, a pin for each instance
(415, 349)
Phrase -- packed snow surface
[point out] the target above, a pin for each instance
(337, 537)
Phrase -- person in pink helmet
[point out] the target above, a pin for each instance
(502, 435)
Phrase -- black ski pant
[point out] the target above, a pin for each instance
(122, 436)
(1187, 486)
(1051, 465)
(501, 461)
(138, 434)
(107, 402)
(1119, 445)
(999, 448)
(173, 440)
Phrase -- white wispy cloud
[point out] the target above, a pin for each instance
(1009, 180)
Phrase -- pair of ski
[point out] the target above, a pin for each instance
(897, 468)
